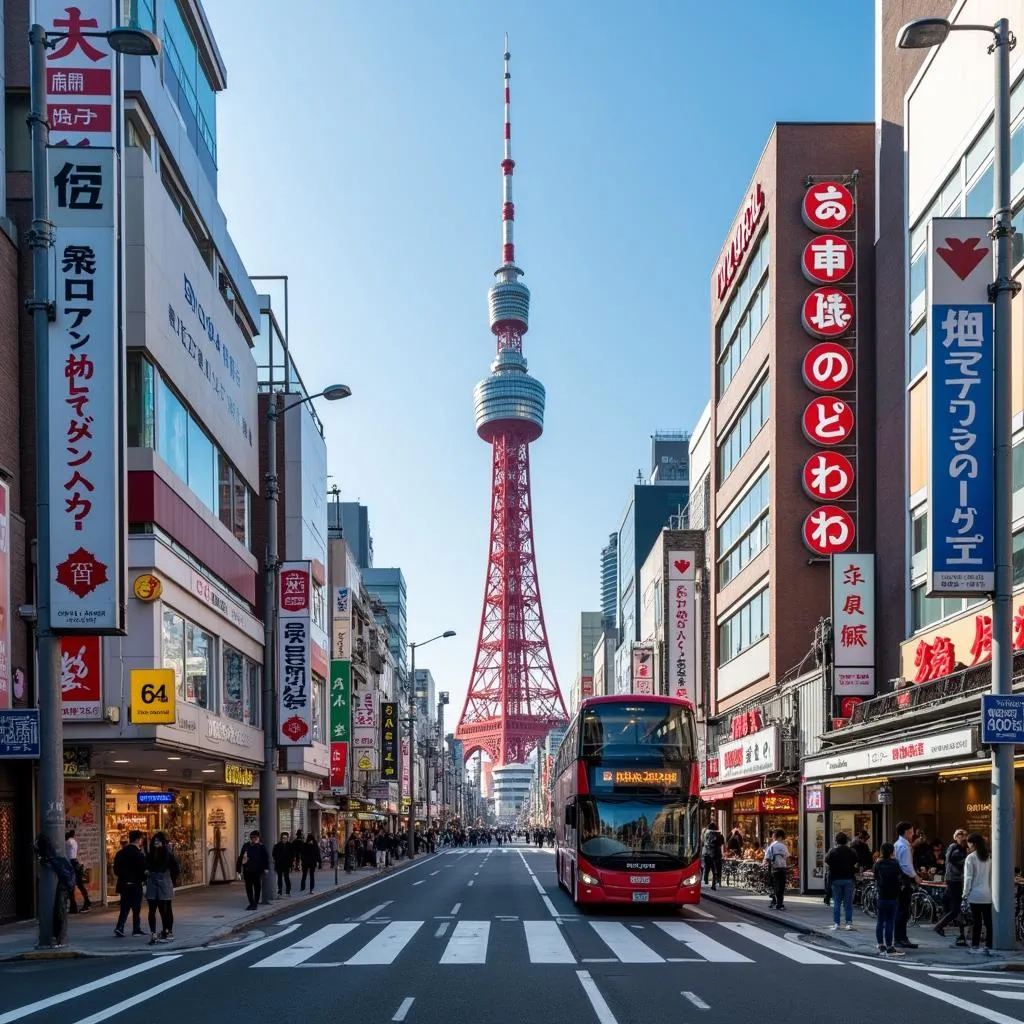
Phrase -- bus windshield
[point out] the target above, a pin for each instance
(637, 730)
(617, 830)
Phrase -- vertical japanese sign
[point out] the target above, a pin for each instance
(341, 624)
(853, 624)
(389, 741)
(682, 627)
(829, 317)
(340, 717)
(961, 499)
(81, 679)
(5, 596)
(364, 730)
(643, 669)
(406, 776)
(86, 588)
(294, 668)
(80, 100)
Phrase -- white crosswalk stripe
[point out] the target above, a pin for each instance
(547, 942)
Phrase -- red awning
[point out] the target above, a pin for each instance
(728, 792)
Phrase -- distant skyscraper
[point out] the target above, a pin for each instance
(609, 581)
(425, 693)
(388, 586)
(351, 521)
(586, 641)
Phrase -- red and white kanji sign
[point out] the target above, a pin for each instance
(827, 313)
(828, 421)
(827, 259)
(827, 205)
(828, 366)
(853, 623)
(827, 476)
(828, 530)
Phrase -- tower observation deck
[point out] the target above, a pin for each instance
(513, 699)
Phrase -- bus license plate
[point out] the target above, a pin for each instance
(639, 879)
(641, 897)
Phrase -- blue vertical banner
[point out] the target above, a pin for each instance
(961, 505)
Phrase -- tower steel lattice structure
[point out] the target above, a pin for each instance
(513, 699)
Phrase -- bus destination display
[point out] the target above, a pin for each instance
(642, 776)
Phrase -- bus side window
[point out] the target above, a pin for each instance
(570, 815)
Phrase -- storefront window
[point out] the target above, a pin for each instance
(254, 695)
(199, 648)
(234, 677)
(221, 844)
(172, 642)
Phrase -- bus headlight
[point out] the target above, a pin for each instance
(691, 879)
(588, 879)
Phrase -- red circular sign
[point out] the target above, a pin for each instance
(828, 367)
(827, 206)
(828, 420)
(827, 312)
(827, 259)
(828, 530)
(827, 476)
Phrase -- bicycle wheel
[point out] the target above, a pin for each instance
(869, 901)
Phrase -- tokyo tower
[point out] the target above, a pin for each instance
(513, 699)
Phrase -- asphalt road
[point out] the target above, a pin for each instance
(485, 935)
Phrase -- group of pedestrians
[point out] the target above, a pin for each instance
(301, 853)
(968, 874)
(153, 873)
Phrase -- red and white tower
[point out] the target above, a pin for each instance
(513, 699)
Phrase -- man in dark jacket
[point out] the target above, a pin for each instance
(711, 854)
(130, 870)
(253, 864)
(284, 857)
(956, 854)
(862, 849)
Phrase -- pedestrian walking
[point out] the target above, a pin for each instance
(953, 898)
(253, 864)
(711, 855)
(283, 860)
(71, 852)
(903, 848)
(842, 870)
(978, 890)
(351, 854)
(130, 871)
(776, 860)
(311, 860)
(889, 880)
(297, 844)
(162, 868)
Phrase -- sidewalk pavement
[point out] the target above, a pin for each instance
(809, 916)
(202, 915)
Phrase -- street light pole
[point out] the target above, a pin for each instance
(268, 773)
(924, 33)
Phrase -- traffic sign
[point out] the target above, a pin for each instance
(152, 697)
(1002, 718)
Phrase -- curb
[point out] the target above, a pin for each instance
(243, 925)
(827, 938)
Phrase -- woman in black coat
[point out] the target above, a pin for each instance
(311, 860)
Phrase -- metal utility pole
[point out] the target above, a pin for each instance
(51, 727)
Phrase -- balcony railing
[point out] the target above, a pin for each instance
(933, 693)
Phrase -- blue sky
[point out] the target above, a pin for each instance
(358, 149)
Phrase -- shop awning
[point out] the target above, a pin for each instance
(710, 796)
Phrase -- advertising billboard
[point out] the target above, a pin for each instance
(294, 657)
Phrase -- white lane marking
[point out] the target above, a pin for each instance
(550, 906)
(790, 950)
(346, 895)
(984, 979)
(403, 1008)
(456, 909)
(475, 873)
(701, 944)
(301, 951)
(420, 882)
(624, 944)
(441, 929)
(156, 990)
(601, 1008)
(374, 911)
(432, 873)
(699, 912)
(599, 960)
(536, 880)
(468, 944)
(81, 990)
(696, 1000)
(983, 1012)
(1003, 995)
(386, 945)
(470, 882)
(545, 943)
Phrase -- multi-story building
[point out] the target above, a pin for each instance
(670, 457)
(914, 751)
(425, 695)
(791, 424)
(587, 637)
(388, 586)
(698, 513)
(610, 581)
(351, 520)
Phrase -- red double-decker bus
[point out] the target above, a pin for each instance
(626, 796)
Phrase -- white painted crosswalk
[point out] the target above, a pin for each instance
(371, 943)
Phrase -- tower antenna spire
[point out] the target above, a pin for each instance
(508, 210)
